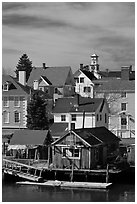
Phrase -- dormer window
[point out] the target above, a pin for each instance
(5, 87)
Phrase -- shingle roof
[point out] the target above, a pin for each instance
(116, 74)
(115, 85)
(97, 135)
(93, 136)
(90, 75)
(29, 137)
(17, 88)
(59, 129)
(56, 75)
(65, 105)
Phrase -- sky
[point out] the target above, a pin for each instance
(68, 33)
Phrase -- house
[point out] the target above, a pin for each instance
(85, 148)
(29, 144)
(58, 82)
(80, 112)
(83, 83)
(14, 103)
(120, 95)
(126, 73)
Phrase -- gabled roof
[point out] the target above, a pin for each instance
(45, 79)
(56, 75)
(59, 129)
(15, 88)
(115, 85)
(65, 105)
(93, 136)
(29, 137)
(88, 74)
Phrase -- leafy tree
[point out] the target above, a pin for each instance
(24, 64)
(37, 116)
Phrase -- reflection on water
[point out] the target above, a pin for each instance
(11, 192)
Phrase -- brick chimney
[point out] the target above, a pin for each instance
(81, 66)
(44, 65)
(125, 72)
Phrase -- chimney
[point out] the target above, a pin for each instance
(125, 72)
(44, 65)
(22, 77)
(35, 84)
(81, 66)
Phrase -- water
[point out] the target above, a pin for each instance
(11, 192)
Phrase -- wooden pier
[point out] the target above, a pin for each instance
(22, 170)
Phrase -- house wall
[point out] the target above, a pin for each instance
(22, 109)
(101, 117)
(114, 101)
(79, 87)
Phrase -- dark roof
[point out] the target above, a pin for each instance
(56, 75)
(116, 74)
(65, 105)
(59, 129)
(93, 136)
(97, 135)
(90, 75)
(115, 85)
(15, 87)
(29, 137)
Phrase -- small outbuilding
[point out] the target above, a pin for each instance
(86, 148)
(30, 144)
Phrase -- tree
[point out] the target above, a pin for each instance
(24, 64)
(37, 116)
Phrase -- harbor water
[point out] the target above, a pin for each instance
(12, 192)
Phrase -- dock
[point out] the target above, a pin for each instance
(22, 170)
(66, 184)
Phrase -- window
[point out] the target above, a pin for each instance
(41, 88)
(73, 117)
(105, 118)
(123, 94)
(6, 117)
(123, 106)
(5, 87)
(76, 80)
(123, 122)
(16, 102)
(5, 102)
(17, 117)
(71, 153)
(81, 79)
(87, 89)
(56, 90)
(100, 117)
(72, 126)
(63, 117)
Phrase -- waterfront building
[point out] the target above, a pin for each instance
(57, 82)
(120, 95)
(85, 148)
(30, 144)
(80, 112)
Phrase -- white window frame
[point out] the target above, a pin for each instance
(7, 101)
(123, 94)
(7, 87)
(18, 101)
(73, 117)
(7, 117)
(125, 107)
(82, 78)
(63, 116)
(15, 117)
(69, 153)
(87, 89)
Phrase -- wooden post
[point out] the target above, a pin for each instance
(71, 178)
(107, 174)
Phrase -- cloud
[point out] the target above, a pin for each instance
(7, 6)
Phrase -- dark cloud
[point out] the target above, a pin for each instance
(32, 21)
(6, 6)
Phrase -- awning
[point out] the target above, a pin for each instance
(17, 147)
